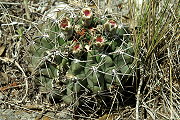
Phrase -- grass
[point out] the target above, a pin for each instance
(158, 33)
(155, 33)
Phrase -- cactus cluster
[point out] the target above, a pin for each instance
(90, 53)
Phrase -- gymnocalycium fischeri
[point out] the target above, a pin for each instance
(86, 54)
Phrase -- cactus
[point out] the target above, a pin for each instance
(94, 79)
(93, 55)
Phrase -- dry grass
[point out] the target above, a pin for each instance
(155, 31)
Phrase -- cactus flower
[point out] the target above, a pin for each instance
(86, 16)
(87, 13)
(66, 28)
(77, 48)
(64, 24)
(99, 40)
(113, 23)
(110, 26)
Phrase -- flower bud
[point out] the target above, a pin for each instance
(86, 16)
(86, 13)
(110, 26)
(99, 40)
(77, 48)
(66, 27)
(65, 24)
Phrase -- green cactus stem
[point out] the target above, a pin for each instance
(109, 75)
(118, 59)
(49, 72)
(94, 77)
(68, 99)
(91, 57)
(96, 89)
(122, 29)
(76, 67)
(106, 62)
(125, 69)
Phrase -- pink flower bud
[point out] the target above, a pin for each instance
(87, 13)
(110, 25)
(113, 23)
(66, 28)
(86, 16)
(77, 48)
(99, 40)
(65, 24)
